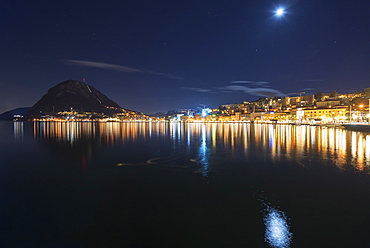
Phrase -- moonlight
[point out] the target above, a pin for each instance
(279, 12)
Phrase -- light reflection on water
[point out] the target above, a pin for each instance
(203, 154)
(216, 146)
(277, 141)
(18, 131)
(277, 232)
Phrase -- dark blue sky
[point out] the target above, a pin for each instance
(155, 56)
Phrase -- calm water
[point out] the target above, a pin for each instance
(183, 185)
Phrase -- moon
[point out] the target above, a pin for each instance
(280, 12)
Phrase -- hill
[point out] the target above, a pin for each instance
(72, 95)
(8, 116)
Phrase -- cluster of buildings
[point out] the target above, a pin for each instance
(73, 115)
(306, 109)
(301, 108)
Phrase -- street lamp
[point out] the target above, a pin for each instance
(361, 114)
(368, 115)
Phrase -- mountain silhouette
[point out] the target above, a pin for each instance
(72, 95)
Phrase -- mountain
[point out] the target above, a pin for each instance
(76, 96)
(8, 116)
(165, 114)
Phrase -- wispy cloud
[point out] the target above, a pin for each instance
(308, 89)
(198, 89)
(265, 92)
(114, 67)
(255, 88)
(262, 83)
(253, 83)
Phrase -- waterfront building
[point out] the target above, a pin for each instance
(326, 115)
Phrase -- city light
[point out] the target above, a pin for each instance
(302, 109)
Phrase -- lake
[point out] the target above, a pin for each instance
(83, 184)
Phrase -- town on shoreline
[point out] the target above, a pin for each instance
(328, 109)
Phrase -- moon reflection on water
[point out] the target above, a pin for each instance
(277, 233)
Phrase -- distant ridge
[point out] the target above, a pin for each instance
(9, 115)
(76, 96)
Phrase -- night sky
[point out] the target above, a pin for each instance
(153, 56)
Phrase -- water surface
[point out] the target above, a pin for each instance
(182, 185)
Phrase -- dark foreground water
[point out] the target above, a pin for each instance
(183, 185)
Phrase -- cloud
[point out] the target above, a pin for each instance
(308, 89)
(198, 89)
(265, 92)
(255, 88)
(255, 83)
(114, 67)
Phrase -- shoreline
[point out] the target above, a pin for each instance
(341, 125)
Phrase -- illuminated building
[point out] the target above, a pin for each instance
(325, 104)
(327, 115)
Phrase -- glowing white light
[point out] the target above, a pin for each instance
(204, 153)
(280, 12)
(206, 112)
(277, 233)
